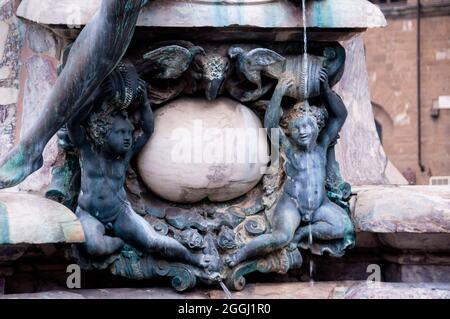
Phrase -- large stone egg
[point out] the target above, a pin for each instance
(204, 149)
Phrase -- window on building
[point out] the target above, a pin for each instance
(389, 2)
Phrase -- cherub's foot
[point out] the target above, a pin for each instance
(233, 259)
(18, 164)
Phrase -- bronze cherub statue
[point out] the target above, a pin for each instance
(304, 208)
(94, 55)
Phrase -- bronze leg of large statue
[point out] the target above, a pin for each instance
(95, 53)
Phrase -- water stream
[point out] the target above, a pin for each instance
(305, 74)
(305, 49)
(225, 290)
(311, 262)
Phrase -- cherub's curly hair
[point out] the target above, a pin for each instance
(120, 89)
(99, 125)
(319, 114)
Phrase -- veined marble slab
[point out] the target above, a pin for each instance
(302, 290)
(332, 14)
(402, 209)
(32, 219)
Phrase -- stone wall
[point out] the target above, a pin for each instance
(38, 74)
(392, 64)
(27, 73)
(359, 151)
(11, 39)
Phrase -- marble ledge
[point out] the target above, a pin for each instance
(402, 217)
(320, 290)
(330, 14)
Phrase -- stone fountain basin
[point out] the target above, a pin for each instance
(405, 218)
(32, 219)
(407, 225)
(326, 19)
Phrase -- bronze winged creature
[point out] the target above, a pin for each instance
(169, 62)
(249, 67)
(251, 64)
(262, 68)
(183, 68)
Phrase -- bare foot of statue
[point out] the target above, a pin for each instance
(18, 164)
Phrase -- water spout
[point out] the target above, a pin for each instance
(218, 278)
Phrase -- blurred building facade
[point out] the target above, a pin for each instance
(409, 75)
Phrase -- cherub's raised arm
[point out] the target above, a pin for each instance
(76, 134)
(146, 121)
(274, 111)
(336, 110)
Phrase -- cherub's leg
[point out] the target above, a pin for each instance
(134, 229)
(95, 53)
(329, 222)
(286, 220)
(97, 243)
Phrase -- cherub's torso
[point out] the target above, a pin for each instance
(102, 192)
(306, 175)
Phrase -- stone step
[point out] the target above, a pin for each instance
(318, 290)
(404, 217)
(402, 209)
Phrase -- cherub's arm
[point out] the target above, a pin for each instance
(336, 110)
(75, 131)
(274, 111)
(146, 121)
(285, 143)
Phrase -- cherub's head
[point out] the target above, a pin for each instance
(112, 133)
(305, 128)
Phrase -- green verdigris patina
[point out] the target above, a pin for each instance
(110, 32)
(4, 225)
(203, 234)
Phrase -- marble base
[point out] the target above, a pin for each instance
(415, 252)
(418, 273)
(2, 286)
(321, 290)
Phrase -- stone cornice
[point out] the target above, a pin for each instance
(326, 14)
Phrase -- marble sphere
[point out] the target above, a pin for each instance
(204, 149)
